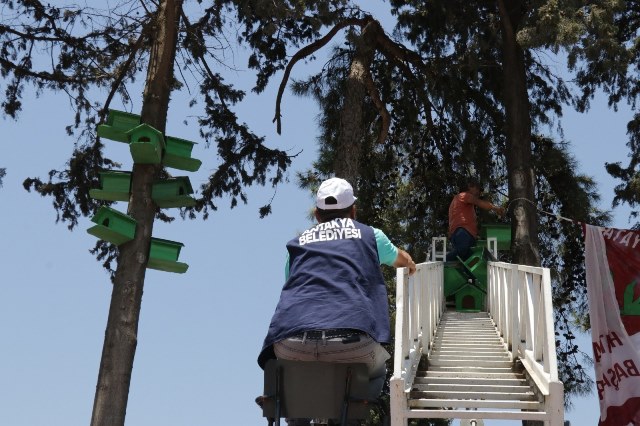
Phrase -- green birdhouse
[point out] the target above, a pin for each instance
(117, 125)
(178, 155)
(500, 231)
(173, 192)
(114, 186)
(469, 298)
(163, 256)
(146, 144)
(113, 226)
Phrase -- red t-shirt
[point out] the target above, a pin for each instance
(462, 214)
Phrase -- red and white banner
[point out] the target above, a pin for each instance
(612, 258)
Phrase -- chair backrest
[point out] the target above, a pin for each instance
(435, 254)
(306, 389)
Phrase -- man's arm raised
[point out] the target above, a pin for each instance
(486, 205)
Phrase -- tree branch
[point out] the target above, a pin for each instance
(309, 50)
(393, 50)
(203, 62)
(123, 71)
(65, 37)
(375, 97)
(53, 77)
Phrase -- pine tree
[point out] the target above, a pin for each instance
(81, 51)
(606, 58)
(473, 101)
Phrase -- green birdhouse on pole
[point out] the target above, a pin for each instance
(146, 144)
(117, 125)
(173, 192)
(163, 256)
(178, 155)
(113, 226)
(115, 185)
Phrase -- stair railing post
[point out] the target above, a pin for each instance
(505, 275)
(497, 295)
(526, 318)
(414, 302)
(397, 384)
(535, 317)
(428, 289)
(516, 310)
(549, 342)
(554, 404)
(492, 293)
(438, 302)
(502, 284)
(398, 403)
(400, 332)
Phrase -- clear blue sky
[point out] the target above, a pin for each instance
(200, 332)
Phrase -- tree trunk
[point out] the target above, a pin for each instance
(524, 220)
(348, 149)
(524, 246)
(116, 365)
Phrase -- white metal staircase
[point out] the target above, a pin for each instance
(469, 368)
(498, 364)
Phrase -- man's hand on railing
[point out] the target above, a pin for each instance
(404, 260)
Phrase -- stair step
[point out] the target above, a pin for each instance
(462, 344)
(471, 338)
(470, 350)
(468, 369)
(477, 323)
(468, 345)
(467, 403)
(468, 322)
(469, 381)
(511, 375)
(454, 387)
(469, 357)
(471, 395)
(444, 362)
(489, 329)
(483, 328)
(468, 329)
(466, 338)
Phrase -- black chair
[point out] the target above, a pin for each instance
(314, 390)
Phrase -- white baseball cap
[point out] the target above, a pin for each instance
(335, 194)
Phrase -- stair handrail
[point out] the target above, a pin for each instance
(519, 301)
(419, 306)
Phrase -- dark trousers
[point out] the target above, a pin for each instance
(462, 241)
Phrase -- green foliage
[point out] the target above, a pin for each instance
(606, 58)
(564, 193)
(628, 190)
(273, 27)
(95, 48)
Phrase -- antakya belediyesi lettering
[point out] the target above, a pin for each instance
(337, 229)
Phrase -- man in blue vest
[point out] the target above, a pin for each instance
(333, 306)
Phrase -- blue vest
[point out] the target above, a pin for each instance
(334, 281)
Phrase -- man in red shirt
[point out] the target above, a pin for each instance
(463, 227)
